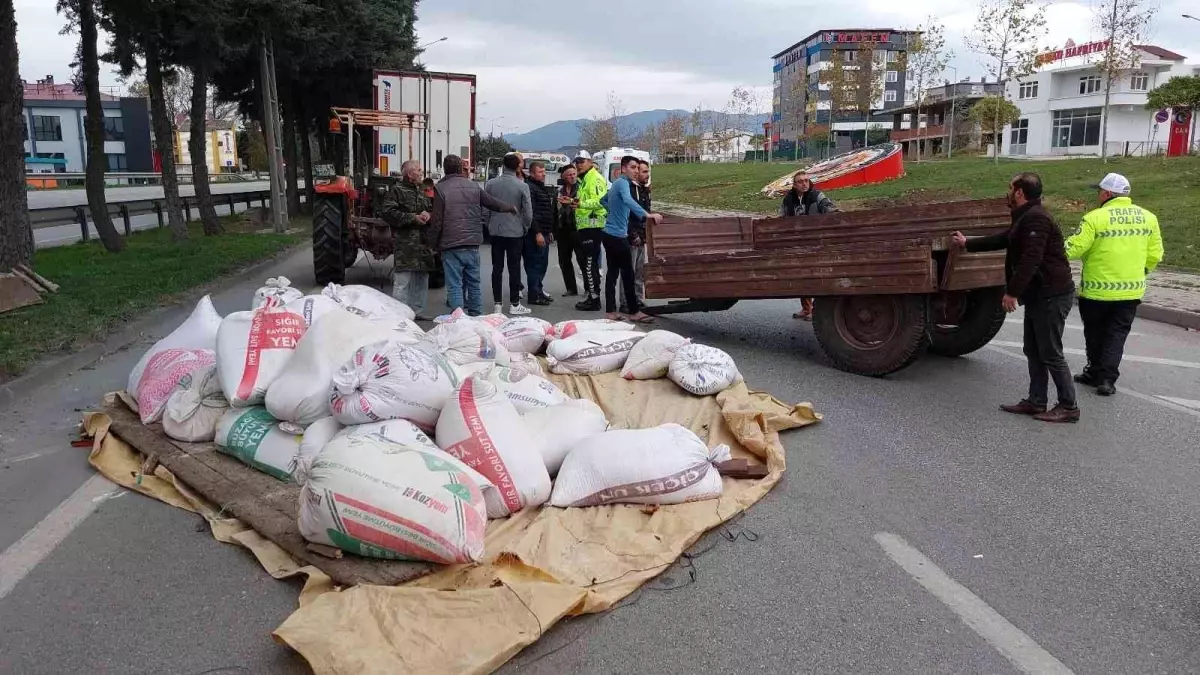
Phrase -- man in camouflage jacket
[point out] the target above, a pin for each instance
(407, 209)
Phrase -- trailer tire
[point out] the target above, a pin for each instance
(871, 335)
(331, 239)
(981, 320)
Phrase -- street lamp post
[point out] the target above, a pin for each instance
(427, 44)
(953, 101)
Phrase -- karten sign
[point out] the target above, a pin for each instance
(857, 36)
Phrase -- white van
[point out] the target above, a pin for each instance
(608, 162)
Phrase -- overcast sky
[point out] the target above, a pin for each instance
(561, 60)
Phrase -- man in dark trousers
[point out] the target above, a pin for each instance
(804, 199)
(536, 253)
(1039, 277)
(407, 210)
(640, 189)
(564, 236)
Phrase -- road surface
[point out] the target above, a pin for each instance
(917, 530)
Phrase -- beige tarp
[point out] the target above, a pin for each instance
(543, 564)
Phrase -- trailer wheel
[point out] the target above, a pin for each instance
(871, 334)
(967, 323)
(330, 239)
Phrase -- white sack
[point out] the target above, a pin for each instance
(480, 427)
(665, 465)
(367, 301)
(565, 329)
(466, 342)
(389, 380)
(279, 288)
(196, 407)
(651, 358)
(526, 392)
(301, 392)
(314, 439)
(403, 432)
(259, 440)
(591, 353)
(252, 350)
(525, 334)
(164, 371)
(703, 370)
(198, 331)
(379, 499)
(560, 428)
(526, 363)
(314, 307)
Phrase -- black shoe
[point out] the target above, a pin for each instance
(588, 305)
(1106, 389)
(547, 298)
(1086, 379)
(571, 294)
(539, 301)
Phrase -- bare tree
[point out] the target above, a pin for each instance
(926, 62)
(1007, 34)
(1123, 23)
(840, 82)
(868, 83)
(16, 236)
(609, 130)
(177, 94)
(671, 138)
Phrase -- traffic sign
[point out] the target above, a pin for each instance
(1162, 116)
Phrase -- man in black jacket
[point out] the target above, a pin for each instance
(541, 233)
(1039, 277)
(640, 190)
(564, 236)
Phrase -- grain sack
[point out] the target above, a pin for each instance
(388, 380)
(405, 330)
(196, 407)
(301, 392)
(367, 301)
(403, 432)
(260, 441)
(163, 373)
(526, 363)
(591, 353)
(565, 329)
(525, 334)
(560, 428)
(651, 357)
(665, 465)
(526, 392)
(252, 350)
(379, 499)
(466, 342)
(703, 370)
(480, 427)
(198, 331)
(279, 288)
(313, 307)
(314, 439)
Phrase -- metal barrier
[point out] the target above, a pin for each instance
(76, 179)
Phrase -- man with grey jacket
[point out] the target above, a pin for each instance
(508, 233)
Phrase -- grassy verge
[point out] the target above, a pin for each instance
(1168, 187)
(100, 291)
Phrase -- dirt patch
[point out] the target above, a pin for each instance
(910, 198)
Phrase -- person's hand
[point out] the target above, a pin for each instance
(423, 217)
(575, 202)
(1009, 303)
(512, 210)
(655, 218)
(960, 241)
(541, 240)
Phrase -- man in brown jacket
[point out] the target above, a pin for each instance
(1039, 277)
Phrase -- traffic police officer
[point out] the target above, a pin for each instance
(1119, 244)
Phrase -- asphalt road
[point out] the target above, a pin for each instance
(917, 530)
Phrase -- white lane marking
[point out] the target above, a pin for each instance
(1162, 402)
(20, 558)
(1185, 402)
(1138, 359)
(24, 458)
(1020, 649)
(1072, 326)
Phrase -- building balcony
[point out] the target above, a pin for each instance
(924, 132)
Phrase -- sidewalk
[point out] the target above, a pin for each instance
(1172, 297)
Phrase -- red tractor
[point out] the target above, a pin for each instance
(345, 218)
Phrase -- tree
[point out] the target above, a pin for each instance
(993, 113)
(488, 147)
(177, 93)
(926, 62)
(1178, 92)
(868, 83)
(1007, 33)
(16, 235)
(256, 148)
(840, 81)
(81, 14)
(1123, 23)
(609, 130)
(671, 138)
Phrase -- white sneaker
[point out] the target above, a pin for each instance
(498, 309)
(519, 310)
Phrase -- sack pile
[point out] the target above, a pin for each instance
(392, 381)
(195, 407)
(279, 288)
(703, 370)
(197, 332)
(369, 302)
(591, 353)
(525, 334)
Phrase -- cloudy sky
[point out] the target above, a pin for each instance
(538, 63)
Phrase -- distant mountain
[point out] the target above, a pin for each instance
(565, 133)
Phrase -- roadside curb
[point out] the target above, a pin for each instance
(54, 369)
(1167, 315)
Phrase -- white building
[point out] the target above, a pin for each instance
(1062, 104)
(725, 146)
(220, 148)
(54, 130)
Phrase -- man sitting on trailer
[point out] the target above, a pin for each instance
(407, 210)
(804, 199)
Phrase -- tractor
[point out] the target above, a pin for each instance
(345, 218)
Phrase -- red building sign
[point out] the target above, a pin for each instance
(1071, 50)
(858, 36)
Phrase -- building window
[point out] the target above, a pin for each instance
(1075, 128)
(114, 129)
(1139, 82)
(889, 95)
(1089, 84)
(1020, 132)
(849, 55)
(1028, 90)
(893, 56)
(47, 128)
(893, 76)
(116, 162)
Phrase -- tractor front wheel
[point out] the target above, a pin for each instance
(331, 239)
(871, 334)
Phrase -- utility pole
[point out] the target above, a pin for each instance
(273, 130)
(954, 111)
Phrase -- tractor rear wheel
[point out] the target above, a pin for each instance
(871, 334)
(967, 323)
(331, 239)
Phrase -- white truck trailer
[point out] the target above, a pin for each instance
(448, 102)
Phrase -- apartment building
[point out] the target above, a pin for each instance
(54, 130)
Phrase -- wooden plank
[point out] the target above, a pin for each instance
(262, 502)
(972, 270)
(15, 293)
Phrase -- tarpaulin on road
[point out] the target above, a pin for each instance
(541, 565)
